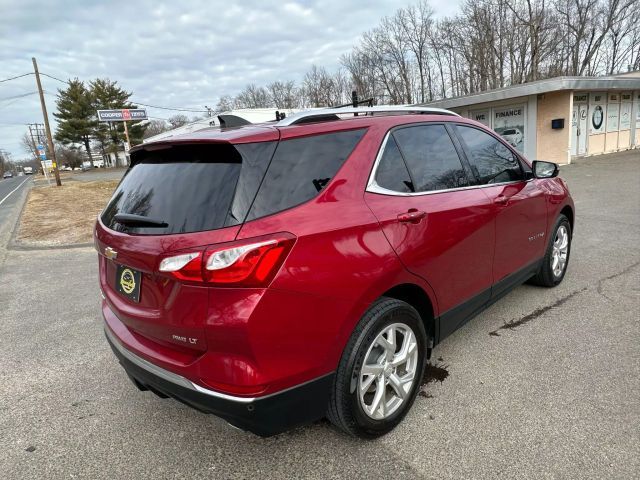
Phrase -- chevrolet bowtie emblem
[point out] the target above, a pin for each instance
(110, 253)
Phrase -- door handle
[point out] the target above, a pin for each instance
(412, 216)
(501, 200)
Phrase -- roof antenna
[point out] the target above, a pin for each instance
(354, 99)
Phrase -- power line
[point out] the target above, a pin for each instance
(55, 78)
(17, 76)
(170, 108)
(9, 103)
(139, 103)
(18, 96)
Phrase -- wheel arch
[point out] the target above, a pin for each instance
(415, 296)
(567, 211)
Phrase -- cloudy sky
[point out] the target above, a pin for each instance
(182, 54)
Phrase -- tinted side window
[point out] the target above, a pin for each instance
(431, 157)
(300, 168)
(255, 160)
(392, 172)
(491, 160)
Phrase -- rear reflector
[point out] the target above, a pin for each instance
(245, 263)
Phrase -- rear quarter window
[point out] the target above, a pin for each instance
(300, 169)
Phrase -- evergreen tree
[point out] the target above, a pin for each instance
(106, 94)
(76, 116)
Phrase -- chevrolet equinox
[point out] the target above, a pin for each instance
(275, 274)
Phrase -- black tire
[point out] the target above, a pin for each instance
(345, 410)
(545, 276)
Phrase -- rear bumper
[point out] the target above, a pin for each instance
(264, 416)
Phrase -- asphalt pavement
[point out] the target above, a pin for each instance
(8, 189)
(544, 384)
(99, 174)
(12, 195)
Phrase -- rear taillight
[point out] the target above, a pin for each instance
(187, 266)
(246, 263)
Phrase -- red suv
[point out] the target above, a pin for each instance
(275, 274)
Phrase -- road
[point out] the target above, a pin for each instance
(544, 384)
(99, 174)
(9, 188)
(11, 197)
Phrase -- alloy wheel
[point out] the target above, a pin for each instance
(388, 372)
(560, 251)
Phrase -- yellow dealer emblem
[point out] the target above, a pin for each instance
(127, 281)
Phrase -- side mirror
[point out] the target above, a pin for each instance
(545, 169)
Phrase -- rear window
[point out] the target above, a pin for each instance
(301, 168)
(191, 188)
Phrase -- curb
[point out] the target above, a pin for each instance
(22, 247)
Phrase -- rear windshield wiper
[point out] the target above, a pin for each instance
(138, 220)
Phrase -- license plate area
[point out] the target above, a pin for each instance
(128, 282)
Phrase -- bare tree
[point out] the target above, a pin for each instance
(415, 23)
(363, 76)
(283, 94)
(155, 127)
(623, 40)
(253, 96)
(29, 145)
(488, 44)
(177, 121)
(69, 156)
(322, 89)
(226, 103)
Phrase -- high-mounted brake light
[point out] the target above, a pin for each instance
(247, 263)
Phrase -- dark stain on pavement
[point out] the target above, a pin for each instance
(600, 287)
(433, 373)
(538, 312)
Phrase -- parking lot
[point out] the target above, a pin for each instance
(544, 384)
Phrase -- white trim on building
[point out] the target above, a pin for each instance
(600, 114)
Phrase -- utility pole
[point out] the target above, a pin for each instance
(46, 124)
(38, 137)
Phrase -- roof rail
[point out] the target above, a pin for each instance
(325, 114)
